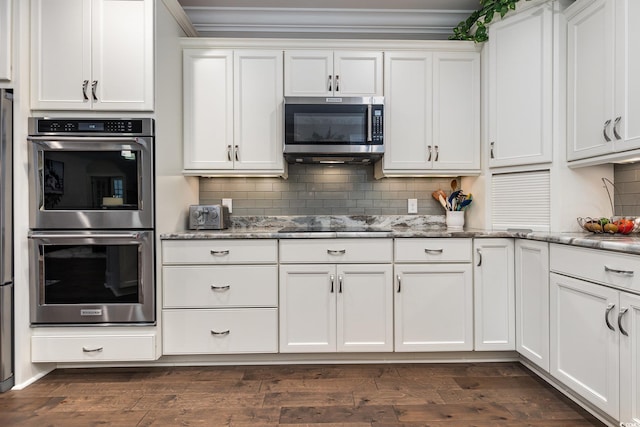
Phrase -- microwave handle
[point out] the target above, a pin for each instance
(369, 133)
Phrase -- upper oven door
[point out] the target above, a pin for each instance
(91, 182)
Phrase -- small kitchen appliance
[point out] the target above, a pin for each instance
(208, 217)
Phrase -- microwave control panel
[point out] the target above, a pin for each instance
(376, 125)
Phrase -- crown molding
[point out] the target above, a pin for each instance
(213, 21)
(181, 17)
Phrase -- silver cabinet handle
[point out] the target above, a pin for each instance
(606, 316)
(369, 130)
(85, 85)
(92, 350)
(620, 314)
(399, 283)
(228, 152)
(437, 153)
(332, 279)
(433, 251)
(604, 130)
(337, 83)
(220, 288)
(479, 252)
(340, 284)
(235, 153)
(429, 151)
(613, 270)
(329, 83)
(336, 251)
(94, 85)
(493, 143)
(219, 253)
(220, 334)
(615, 128)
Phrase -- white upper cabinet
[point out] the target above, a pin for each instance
(332, 73)
(103, 60)
(603, 78)
(5, 40)
(233, 111)
(520, 85)
(432, 112)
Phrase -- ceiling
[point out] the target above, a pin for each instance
(389, 19)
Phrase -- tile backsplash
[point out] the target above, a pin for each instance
(325, 190)
(627, 192)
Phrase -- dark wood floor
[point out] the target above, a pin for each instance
(488, 394)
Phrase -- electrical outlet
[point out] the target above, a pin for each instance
(228, 203)
(412, 206)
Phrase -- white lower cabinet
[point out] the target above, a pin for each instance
(75, 345)
(433, 295)
(219, 296)
(532, 301)
(494, 289)
(340, 307)
(595, 322)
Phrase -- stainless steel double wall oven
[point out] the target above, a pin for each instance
(92, 221)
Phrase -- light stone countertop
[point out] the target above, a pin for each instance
(410, 226)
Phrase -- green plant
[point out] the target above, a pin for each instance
(475, 26)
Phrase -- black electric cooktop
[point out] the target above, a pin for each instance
(333, 229)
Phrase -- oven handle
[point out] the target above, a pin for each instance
(52, 141)
(81, 236)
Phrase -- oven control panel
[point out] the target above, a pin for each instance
(94, 126)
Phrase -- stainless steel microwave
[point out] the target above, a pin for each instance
(333, 129)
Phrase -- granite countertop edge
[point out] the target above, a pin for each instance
(401, 227)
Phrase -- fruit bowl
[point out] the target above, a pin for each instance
(612, 225)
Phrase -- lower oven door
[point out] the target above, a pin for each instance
(92, 277)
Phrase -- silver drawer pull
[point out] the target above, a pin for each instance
(336, 251)
(620, 314)
(92, 350)
(434, 251)
(623, 272)
(220, 253)
(220, 288)
(606, 316)
(220, 334)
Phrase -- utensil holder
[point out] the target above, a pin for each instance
(455, 220)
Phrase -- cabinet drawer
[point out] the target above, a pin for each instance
(219, 251)
(433, 250)
(596, 265)
(93, 348)
(220, 286)
(336, 251)
(252, 330)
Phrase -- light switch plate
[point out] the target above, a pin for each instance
(228, 203)
(412, 206)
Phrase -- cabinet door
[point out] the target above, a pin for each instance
(365, 308)
(408, 77)
(627, 74)
(5, 40)
(122, 54)
(494, 302)
(585, 341)
(61, 60)
(208, 109)
(520, 88)
(456, 110)
(258, 110)
(590, 74)
(629, 358)
(532, 301)
(308, 308)
(433, 307)
(357, 73)
(308, 73)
